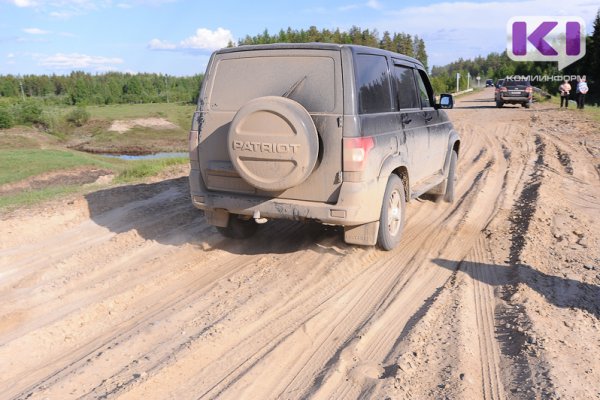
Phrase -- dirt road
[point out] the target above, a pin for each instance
(126, 293)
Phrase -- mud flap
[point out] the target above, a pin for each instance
(365, 234)
(217, 217)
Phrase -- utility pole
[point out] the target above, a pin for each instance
(167, 88)
(457, 81)
(22, 91)
(468, 80)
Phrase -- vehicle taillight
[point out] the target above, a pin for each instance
(503, 89)
(356, 151)
(529, 89)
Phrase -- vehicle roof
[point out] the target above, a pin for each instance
(319, 46)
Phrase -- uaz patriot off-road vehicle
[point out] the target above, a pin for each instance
(339, 134)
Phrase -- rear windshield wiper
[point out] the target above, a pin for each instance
(293, 88)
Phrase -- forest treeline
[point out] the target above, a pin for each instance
(81, 88)
(403, 43)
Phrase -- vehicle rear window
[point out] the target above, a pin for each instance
(516, 82)
(372, 80)
(309, 80)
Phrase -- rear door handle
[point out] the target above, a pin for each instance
(428, 117)
(405, 120)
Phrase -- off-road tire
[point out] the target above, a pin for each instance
(527, 105)
(451, 180)
(238, 228)
(393, 209)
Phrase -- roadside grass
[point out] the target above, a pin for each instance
(593, 111)
(32, 197)
(140, 169)
(17, 142)
(19, 164)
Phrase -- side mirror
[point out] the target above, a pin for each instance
(446, 101)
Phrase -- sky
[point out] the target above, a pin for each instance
(176, 37)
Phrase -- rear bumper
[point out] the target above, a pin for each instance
(515, 99)
(358, 203)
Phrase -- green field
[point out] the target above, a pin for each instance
(19, 164)
(26, 153)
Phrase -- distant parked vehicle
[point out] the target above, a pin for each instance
(514, 91)
(489, 82)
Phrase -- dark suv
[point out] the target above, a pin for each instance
(339, 134)
(514, 91)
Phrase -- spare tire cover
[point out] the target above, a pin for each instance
(273, 143)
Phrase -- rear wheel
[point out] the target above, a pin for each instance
(527, 105)
(391, 221)
(238, 228)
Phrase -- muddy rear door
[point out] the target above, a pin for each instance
(264, 142)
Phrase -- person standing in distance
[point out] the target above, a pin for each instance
(582, 89)
(565, 90)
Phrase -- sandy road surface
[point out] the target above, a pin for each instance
(127, 293)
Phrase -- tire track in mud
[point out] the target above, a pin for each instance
(484, 280)
(512, 342)
(166, 300)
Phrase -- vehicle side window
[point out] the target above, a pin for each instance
(372, 80)
(404, 85)
(425, 91)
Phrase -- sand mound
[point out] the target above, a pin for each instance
(123, 126)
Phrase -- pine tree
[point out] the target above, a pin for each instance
(386, 42)
(593, 53)
(419, 50)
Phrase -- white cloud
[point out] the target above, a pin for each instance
(61, 61)
(349, 7)
(374, 4)
(157, 44)
(63, 9)
(35, 31)
(68, 8)
(10, 55)
(24, 3)
(204, 39)
(62, 14)
(207, 39)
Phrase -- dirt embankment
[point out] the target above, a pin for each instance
(127, 293)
